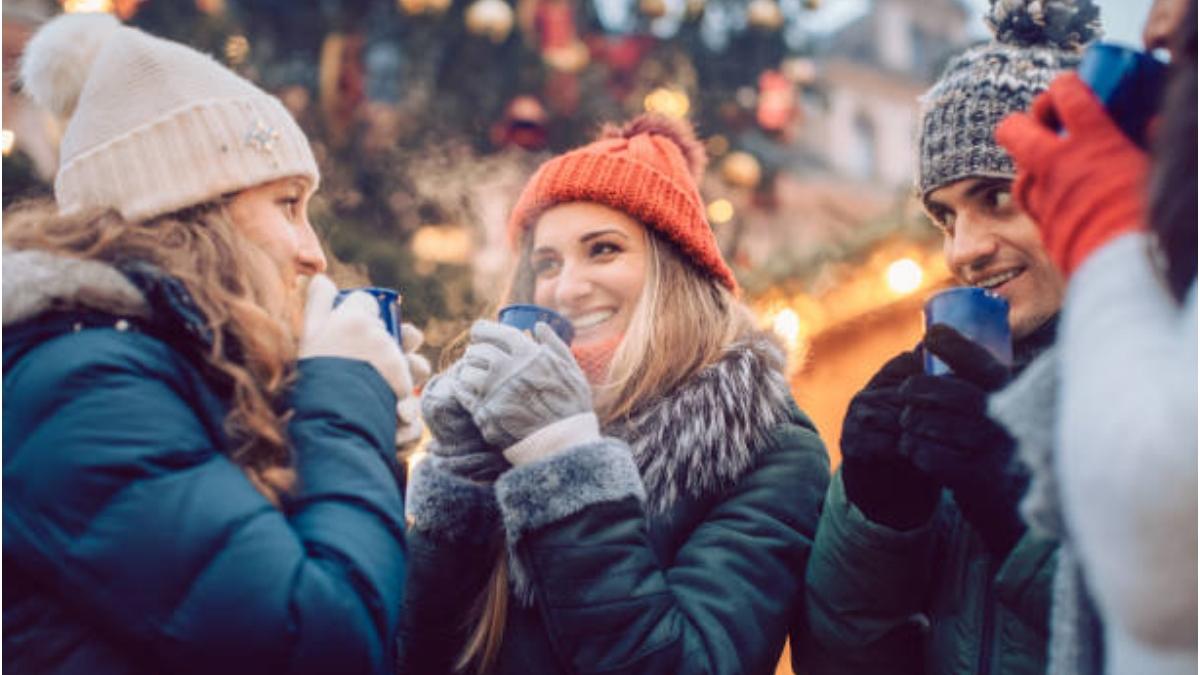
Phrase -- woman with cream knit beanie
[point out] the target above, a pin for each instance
(643, 501)
(197, 477)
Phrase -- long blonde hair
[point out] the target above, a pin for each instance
(684, 321)
(232, 283)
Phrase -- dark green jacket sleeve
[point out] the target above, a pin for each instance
(864, 593)
(453, 540)
(721, 604)
(1025, 580)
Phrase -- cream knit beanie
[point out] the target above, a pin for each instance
(153, 126)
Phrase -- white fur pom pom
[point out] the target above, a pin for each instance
(59, 57)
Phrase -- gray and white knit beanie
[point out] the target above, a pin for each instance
(153, 126)
(1034, 40)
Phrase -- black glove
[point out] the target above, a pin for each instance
(947, 433)
(881, 482)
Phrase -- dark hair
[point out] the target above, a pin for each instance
(1172, 208)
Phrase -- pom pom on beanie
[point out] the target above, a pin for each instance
(153, 126)
(677, 131)
(1062, 24)
(60, 56)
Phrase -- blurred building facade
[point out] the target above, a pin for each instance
(845, 208)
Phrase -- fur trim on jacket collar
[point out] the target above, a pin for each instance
(36, 282)
(703, 436)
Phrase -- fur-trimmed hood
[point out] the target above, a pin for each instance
(147, 299)
(37, 282)
(703, 436)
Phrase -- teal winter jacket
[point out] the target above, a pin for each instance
(133, 544)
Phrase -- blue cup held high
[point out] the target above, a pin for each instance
(389, 306)
(525, 317)
(1128, 82)
(980, 316)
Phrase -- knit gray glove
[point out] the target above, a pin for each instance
(449, 422)
(456, 439)
(523, 390)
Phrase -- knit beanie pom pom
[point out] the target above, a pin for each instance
(678, 132)
(1062, 24)
(59, 58)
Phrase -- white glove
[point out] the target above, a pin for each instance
(352, 330)
(408, 408)
(411, 339)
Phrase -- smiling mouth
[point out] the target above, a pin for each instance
(592, 319)
(994, 281)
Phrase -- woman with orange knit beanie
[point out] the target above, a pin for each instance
(641, 502)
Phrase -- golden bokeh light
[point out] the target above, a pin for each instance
(904, 276)
(720, 211)
(741, 169)
(74, 6)
(669, 102)
(435, 244)
(786, 325)
(492, 19)
(7, 140)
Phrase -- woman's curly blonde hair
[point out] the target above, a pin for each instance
(233, 283)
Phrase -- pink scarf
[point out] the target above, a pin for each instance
(594, 358)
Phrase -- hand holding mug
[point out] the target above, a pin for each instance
(515, 384)
(945, 432)
(352, 330)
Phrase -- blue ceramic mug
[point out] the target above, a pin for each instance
(980, 316)
(524, 317)
(389, 306)
(1128, 82)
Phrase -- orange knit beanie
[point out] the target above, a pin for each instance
(648, 169)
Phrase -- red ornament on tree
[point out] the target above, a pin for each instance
(776, 102)
(523, 125)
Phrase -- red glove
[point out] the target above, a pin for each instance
(1085, 187)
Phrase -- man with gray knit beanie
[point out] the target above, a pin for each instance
(921, 562)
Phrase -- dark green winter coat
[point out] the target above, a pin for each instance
(679, 549)
(921, 601)
(928, 601)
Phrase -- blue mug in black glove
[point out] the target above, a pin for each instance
(945, 432)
